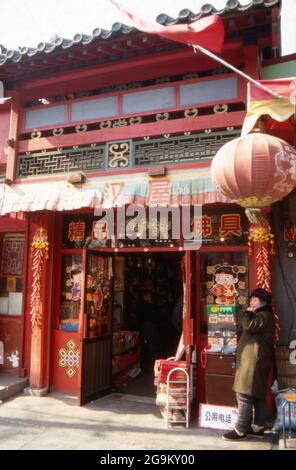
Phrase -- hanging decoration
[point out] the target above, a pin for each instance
(261, 234)
(263, 268)
(40, 247)
(264, 280)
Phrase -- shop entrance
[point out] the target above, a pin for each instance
(132, 316)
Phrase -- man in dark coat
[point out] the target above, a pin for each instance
(253, 365)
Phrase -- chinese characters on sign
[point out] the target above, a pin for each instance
(217, 417)
(76, 231)
(99, 231)
(160, 193)
(206, 226)
(228, 225)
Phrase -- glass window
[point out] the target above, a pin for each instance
(208, 91)
(148, 100)
(11, 277)
(98, 297)
(95, 109)
(223, 295)
(70, 292)
(42, 117)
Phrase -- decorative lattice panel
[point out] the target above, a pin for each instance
(117, 155)
(181, 149)
(61, 161)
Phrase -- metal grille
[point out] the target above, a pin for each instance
(181, 149)
(61, 161)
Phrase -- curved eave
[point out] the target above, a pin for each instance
(119, 29)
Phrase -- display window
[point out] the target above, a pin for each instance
(71, 286)
(12, 246)
(223, 295)
(99, 294)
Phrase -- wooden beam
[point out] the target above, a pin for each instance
(142, 68)
(194, 124)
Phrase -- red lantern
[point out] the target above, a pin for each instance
(255, 170)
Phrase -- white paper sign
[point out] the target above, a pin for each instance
(217, 417)
(15, 300)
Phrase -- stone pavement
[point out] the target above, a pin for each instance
(114, 422)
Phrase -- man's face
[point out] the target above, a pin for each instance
(255, 302)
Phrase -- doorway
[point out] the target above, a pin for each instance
(132, 315)
(147, 317)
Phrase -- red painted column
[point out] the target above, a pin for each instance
(39, 296)
(13, 135)
(251, 58)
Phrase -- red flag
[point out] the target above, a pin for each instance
(207, 32)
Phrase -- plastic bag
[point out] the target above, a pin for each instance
(279, 401)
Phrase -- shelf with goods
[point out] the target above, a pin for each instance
(125, 342)
(125, 357)
(122, 363)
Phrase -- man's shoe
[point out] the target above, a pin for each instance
(260, 433)
(233, 436)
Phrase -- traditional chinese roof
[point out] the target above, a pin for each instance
(232, 6)
(60, 51)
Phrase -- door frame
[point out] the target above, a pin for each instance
(84, 338)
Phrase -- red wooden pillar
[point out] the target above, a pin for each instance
(13, 135)
(251, 58)
(39, 296)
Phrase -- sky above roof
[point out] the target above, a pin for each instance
(29, 22)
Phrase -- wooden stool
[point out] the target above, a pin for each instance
(289, 398)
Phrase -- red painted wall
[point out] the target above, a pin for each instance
(64, 372)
